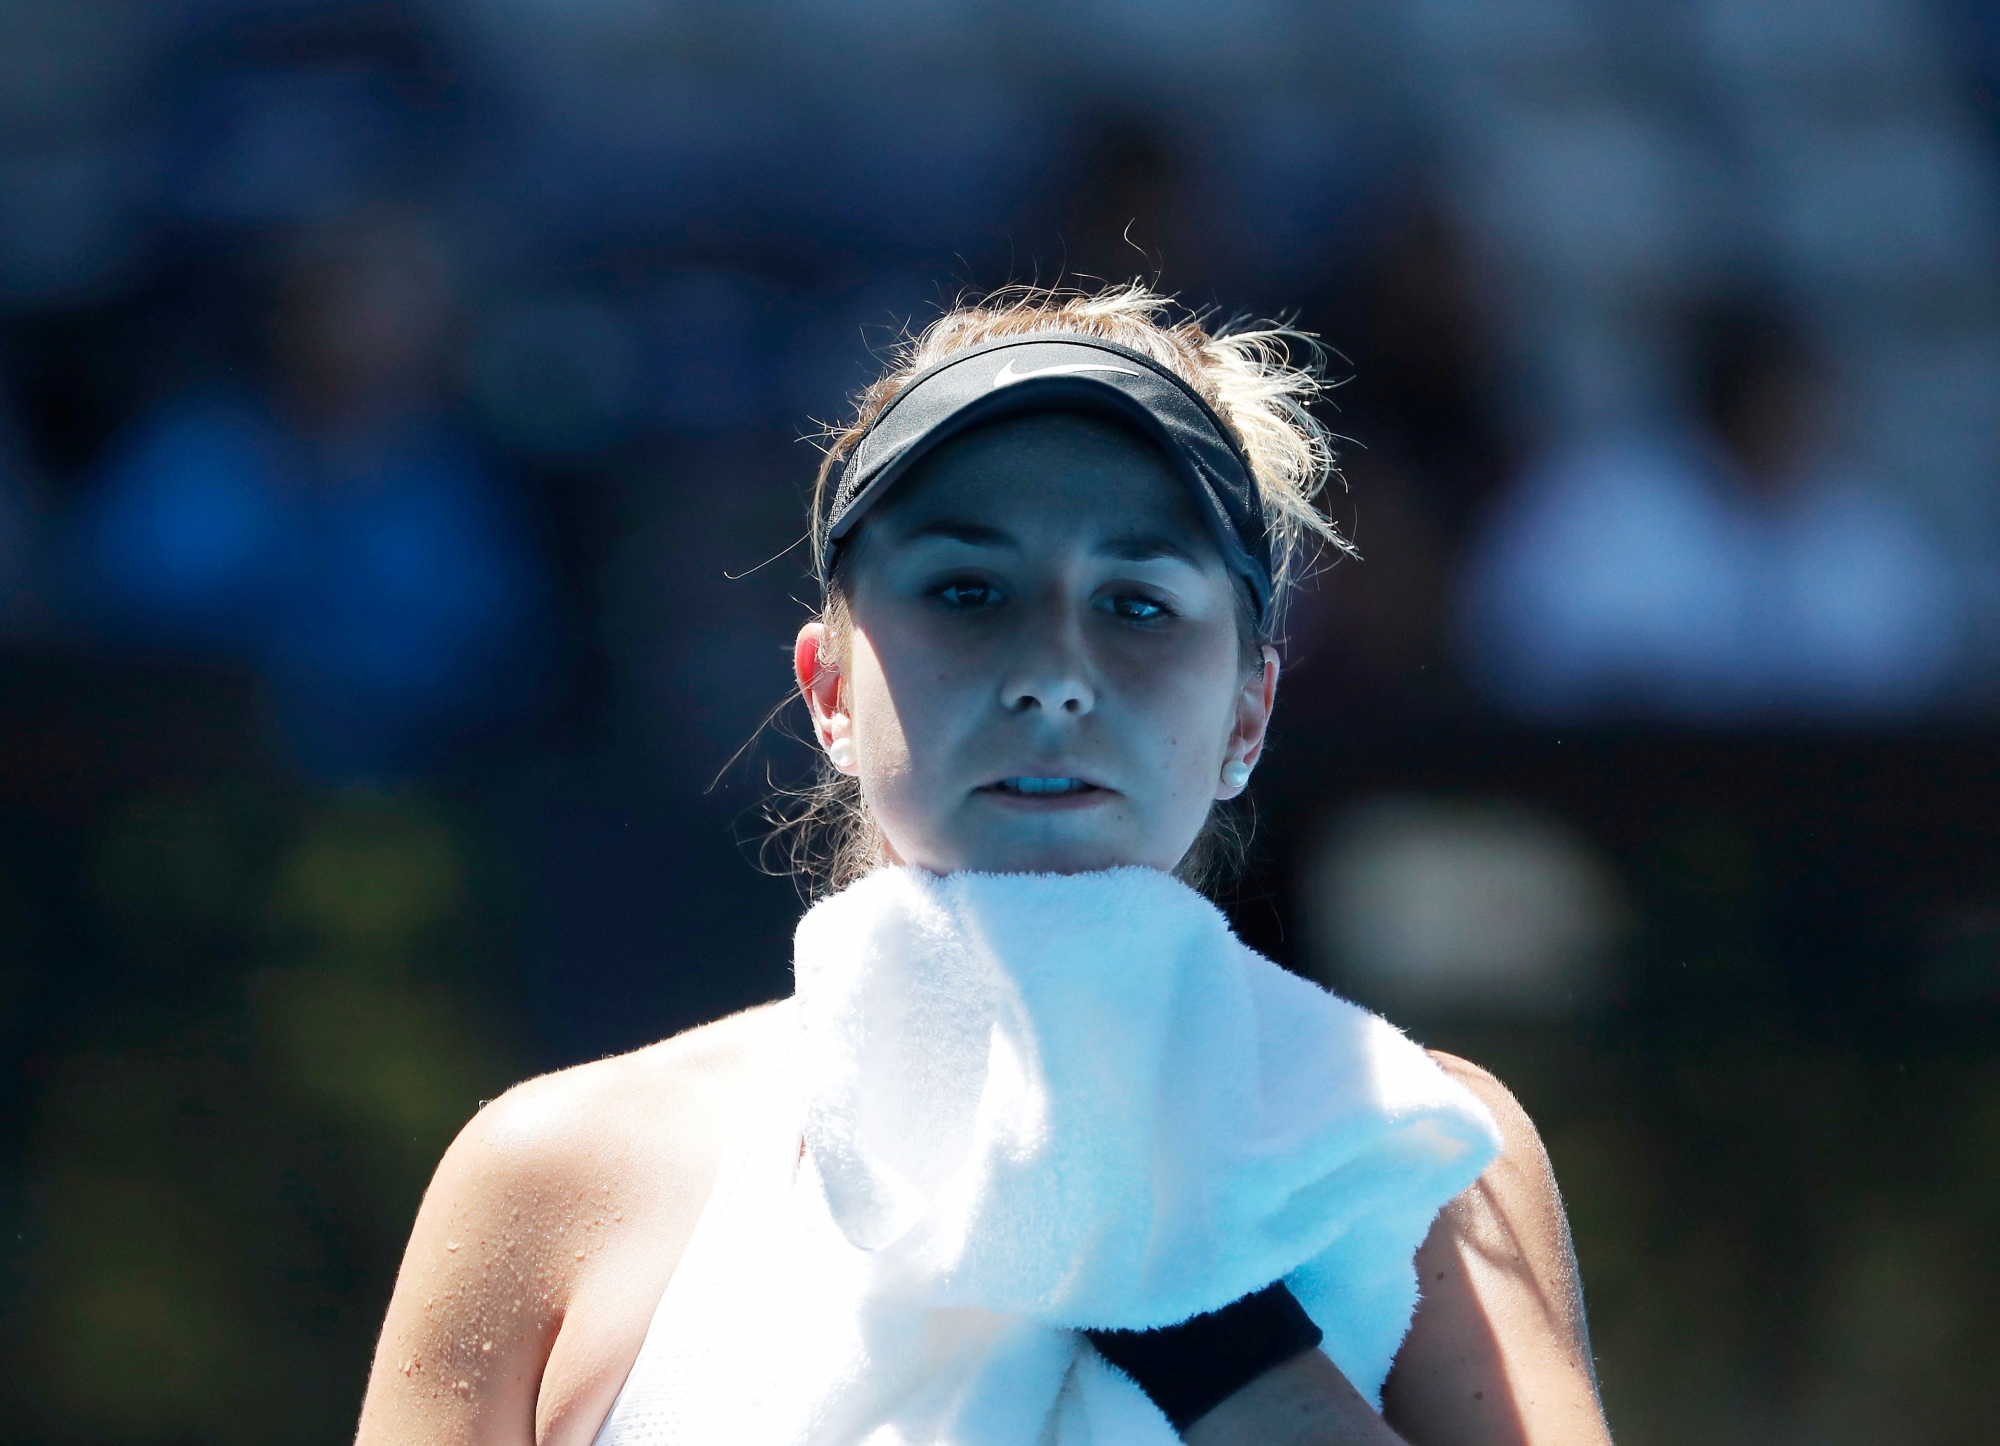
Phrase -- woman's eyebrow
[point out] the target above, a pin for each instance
(972, 534)
(1145, 547)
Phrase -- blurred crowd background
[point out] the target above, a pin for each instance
(405, 425)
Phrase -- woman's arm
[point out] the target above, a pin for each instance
(1498, 1354)
(544, 1243)
(479, 1300)
(1305, 1402)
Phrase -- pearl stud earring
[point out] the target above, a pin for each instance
(1235, 773)
(841, 752)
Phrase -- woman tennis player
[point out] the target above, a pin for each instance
(1037, 1154)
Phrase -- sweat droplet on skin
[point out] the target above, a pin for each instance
(451, 1245)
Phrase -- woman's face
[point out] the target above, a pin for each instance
(1045, 671)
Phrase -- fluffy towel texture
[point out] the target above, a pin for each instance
(1032, 1105)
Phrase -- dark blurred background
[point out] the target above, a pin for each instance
(405, 415)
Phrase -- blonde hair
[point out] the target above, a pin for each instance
(1247, 374)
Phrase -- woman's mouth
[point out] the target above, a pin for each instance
(1028, 786)
(1038, 787)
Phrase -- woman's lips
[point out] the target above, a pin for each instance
(1045, 792)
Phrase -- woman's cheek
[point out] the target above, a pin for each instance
(884, 754)
(903, 770)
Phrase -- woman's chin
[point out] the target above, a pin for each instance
(987, 839)
(1057, 856)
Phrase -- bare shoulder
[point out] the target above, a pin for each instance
(1499, 1350)
(659, 1097)
(1521, 1143)
(1481, 1081)
(549, 1230)
(1514, 1211)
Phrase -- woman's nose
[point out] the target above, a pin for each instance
(1050, 675)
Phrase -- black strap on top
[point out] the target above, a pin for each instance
(1191, 1368)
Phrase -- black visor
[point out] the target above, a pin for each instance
(1063, 373)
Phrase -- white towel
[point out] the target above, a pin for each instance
(1036, 1104)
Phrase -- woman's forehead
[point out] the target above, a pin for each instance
(1049, 470)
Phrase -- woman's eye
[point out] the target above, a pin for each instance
(1137, 607)
(966, 593)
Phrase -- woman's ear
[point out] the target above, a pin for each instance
(1254, 702)
(819, 683)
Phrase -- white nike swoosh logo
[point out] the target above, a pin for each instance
(1006, 376)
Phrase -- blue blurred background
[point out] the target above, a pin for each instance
(404, 418)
